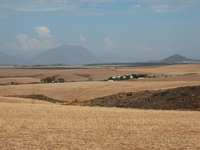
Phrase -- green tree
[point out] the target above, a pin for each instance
(61, 80)
(48, 79)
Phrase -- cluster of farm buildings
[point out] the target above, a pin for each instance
(142, 76)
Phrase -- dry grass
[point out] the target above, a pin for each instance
(21, 101)
(44, 126)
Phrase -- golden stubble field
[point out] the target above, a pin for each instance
(51, 126)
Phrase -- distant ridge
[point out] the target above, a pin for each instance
(176, 58)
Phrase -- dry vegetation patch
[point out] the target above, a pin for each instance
(181, 98)
(28, 126)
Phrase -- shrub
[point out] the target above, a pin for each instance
(129, 94)
(48, 80)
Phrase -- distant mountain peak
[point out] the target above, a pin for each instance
(175, 58)
(65, 54)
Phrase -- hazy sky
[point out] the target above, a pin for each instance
(146, 29)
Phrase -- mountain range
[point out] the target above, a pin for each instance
(68, 54)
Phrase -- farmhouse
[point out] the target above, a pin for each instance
(110, 81)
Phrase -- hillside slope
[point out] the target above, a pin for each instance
(182, 98)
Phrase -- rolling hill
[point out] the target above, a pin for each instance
(181, 98)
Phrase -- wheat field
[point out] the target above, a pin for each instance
(29, 125)
(34, 124)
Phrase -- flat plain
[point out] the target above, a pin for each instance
(34, 124)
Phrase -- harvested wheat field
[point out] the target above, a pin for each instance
(88, 90)
(51, 126)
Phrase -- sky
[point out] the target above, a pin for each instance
(145, 29)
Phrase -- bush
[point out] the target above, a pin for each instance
(48, 80)
(129, 94)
